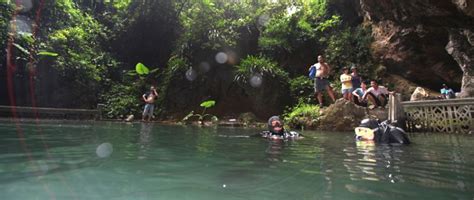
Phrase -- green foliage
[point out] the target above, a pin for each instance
(23, 50)
(47, 53)
(208, 104)
(260, 65)
(176, 65)
(302, 115)
(351, 46)
(293, 25)
(213, 24)
(5, 16)
(121, 4)
(141, 69)
(302, 89)
(202, 117)
(247, 118)
(77, 41)
(122, 100)
(79, 57)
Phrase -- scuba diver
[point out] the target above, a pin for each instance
(276, 130)
(382, 133)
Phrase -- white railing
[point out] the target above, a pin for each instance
(447, 115)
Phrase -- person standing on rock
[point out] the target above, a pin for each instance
(321, 81)
(356, 79)
(149, 99)
(346, 84)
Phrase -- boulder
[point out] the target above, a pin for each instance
(419, 94)
(343, 115)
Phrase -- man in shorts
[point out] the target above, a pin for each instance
(321, 81)
(149, 99)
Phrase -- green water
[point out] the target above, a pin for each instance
(83, 160)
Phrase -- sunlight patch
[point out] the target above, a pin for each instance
(104, 150)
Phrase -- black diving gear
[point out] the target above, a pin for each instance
(383, 132)
(276, 130)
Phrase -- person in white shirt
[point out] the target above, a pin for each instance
(378, 93)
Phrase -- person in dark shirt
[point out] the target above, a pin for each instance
(356, 79)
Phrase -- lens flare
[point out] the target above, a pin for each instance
(104, 150)
(221, 57)
(20, 26)
(256, 80)
(191, 74)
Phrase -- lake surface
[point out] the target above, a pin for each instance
(105, 160)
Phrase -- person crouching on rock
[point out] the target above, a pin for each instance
(378, 94)
(358, 94)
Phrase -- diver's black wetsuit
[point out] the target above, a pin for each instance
(386, 133)
(282, 134)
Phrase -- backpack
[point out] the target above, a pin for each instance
(312, 72)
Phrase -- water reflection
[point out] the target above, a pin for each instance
(207, 165)
(145, 139)
(367, 161)
(274, 150)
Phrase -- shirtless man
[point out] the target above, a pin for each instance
(149, 99)
(321, 81)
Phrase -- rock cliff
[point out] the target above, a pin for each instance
(427, 42)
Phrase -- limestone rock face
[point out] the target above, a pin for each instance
(411, 39)
(460, 47)
(342, 116)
